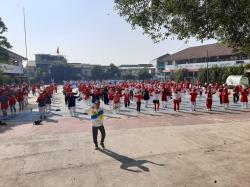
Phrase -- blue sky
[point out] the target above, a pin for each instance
(87, 31)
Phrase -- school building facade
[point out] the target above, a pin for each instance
(11, 64)
(194, 58)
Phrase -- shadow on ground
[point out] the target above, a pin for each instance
(127, 163)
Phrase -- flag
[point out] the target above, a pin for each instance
(57, 50)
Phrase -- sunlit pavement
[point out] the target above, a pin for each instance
(165, 148)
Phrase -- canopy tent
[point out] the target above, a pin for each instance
(234, 80)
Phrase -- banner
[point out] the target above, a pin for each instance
(11, 69)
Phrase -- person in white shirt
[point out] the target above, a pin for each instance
(97, 117)
(156, 99)
(176, 99)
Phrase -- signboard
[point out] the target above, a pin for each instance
(11, 69)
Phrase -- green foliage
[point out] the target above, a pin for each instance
(5, 79)
(97, 73)
(100, 73)
(219, 74)
(202, 75)
(226, 21)
(246, 67)
(129, 77)
(61, 71)
(180, 74)
(37, 77)
(113, 72)
(3, 40)
(144, 74)
(4, 56)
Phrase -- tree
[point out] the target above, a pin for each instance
(226, 21)
(129, 76)
(180, 74)
(113, 72)
(3, 40)
(97, 73)
(202, 75)
(219, 74)
(61, 72)
(144, 74)
(37, 77)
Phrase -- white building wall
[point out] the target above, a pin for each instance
(196, 66)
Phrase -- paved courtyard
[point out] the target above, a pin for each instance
(143, 149)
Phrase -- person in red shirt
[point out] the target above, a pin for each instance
(86, 94)
(244, 98)
(220, 90)
(138, 97)
(236, 93)
(20, 99)
(193, 95)
(33, 89)
(117, 98)
(209, 99)
(111, 99)
(126, 98)
(225, 98)
(25, 92)
(12, 104)
(164, 95)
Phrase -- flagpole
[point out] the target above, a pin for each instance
(25, 40)
(25, 33)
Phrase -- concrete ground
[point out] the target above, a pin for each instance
(146, 149)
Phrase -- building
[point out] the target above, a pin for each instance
(85, 69)
(205, 56)
(30, 68)
(134, 69)
(159, 64)
(11, 63)
(77, 68)
(43, 61)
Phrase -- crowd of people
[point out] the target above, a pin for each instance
(11, 95)
(14, 98)
(117, 93)
(44, 99)
(158, 93)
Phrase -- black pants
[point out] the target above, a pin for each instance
(127, 103)
(156, 104)
(95, 133)
(138, 106)
(236, 98)
(21, 105)
(66, 100)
